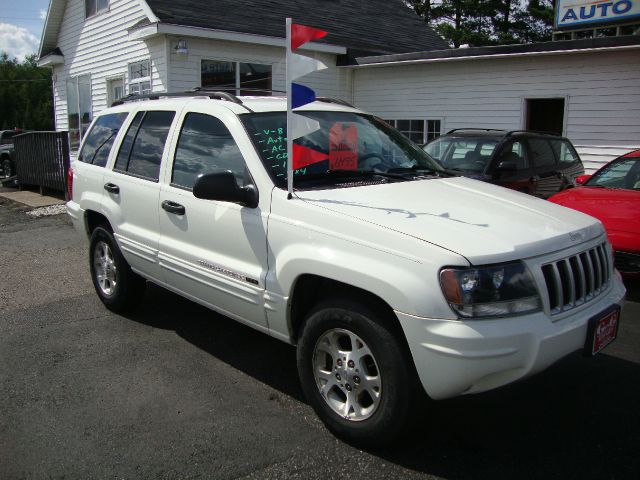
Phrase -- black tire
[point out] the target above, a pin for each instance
(7, 170)
(121, 289)
(392, 362)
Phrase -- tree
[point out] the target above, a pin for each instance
(487, 22)
(25, 94)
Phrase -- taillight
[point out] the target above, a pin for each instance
(70, 184)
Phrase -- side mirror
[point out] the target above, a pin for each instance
(582, 179)
(222, 186)
(506, 167)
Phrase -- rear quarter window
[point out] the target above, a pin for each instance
(100, 138)
(565, 152)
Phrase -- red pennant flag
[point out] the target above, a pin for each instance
(301, 34)
(304, 156)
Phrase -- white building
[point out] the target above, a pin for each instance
(101, 50)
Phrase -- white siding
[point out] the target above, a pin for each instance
(99, 46)
(602, 92)
(184, 70)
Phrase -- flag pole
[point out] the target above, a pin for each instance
(289, 115)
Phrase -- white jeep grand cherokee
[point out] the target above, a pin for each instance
(385, 271)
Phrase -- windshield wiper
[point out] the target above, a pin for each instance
(338, 174)
(419, 169)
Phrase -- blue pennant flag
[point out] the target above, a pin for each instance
(301, 95)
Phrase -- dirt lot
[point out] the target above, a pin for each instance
(175, 391)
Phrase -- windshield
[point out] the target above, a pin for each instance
(345, 142)
(468, 154)
(7, 138)
(624, 173)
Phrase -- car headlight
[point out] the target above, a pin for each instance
(490, 291)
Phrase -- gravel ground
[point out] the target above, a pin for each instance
(175, 391)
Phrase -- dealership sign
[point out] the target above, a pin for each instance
(576, 13)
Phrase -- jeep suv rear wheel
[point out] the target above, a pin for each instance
(355, 373)
(119, 288)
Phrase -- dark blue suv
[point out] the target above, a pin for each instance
(536, 163)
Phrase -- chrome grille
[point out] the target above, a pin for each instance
(577, 279)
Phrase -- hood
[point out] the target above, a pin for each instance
(619, 210)
(480, 221)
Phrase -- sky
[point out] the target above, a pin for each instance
(21, 23)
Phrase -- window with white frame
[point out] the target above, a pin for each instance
(245, 78)
(140, 77)
(79, 114)
(419, 131)
(93, 7)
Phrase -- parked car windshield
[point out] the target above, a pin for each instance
(7, 138)
(346, 141)
(624, 173)
(467, 154)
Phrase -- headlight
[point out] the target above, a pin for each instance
(492, 291)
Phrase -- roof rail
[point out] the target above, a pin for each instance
(477, 129)
(337, 101)
(233, 89)
(540, 132)
(189, 93)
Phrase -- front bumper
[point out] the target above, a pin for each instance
(455, 357)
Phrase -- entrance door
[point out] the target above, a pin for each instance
(545, 115)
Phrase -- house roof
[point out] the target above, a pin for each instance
(541, 48)
(374, 26)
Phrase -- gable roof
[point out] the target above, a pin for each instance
(53, 21)
(372, 26)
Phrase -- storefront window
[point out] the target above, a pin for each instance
(240, 78)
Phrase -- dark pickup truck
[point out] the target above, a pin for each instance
(7, 165)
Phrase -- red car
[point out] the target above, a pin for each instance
(612, 195)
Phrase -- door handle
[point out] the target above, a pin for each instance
(173, 207)
(112, 188)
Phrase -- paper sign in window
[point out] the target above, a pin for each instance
(343, 147)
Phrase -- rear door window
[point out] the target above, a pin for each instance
(542, 155)
(141, 150)
(100, 138)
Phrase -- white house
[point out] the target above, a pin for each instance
(384, 59)
(587, 90)
(101, 50)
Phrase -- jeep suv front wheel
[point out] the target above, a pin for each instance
(354, 373)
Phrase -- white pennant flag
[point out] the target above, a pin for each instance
(302, 65)
(301, 126)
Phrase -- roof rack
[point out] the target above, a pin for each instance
(477, 129)
(233, 89)
(540, 132)
(337, 101)
(218, 95)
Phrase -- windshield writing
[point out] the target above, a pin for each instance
(345, 141)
